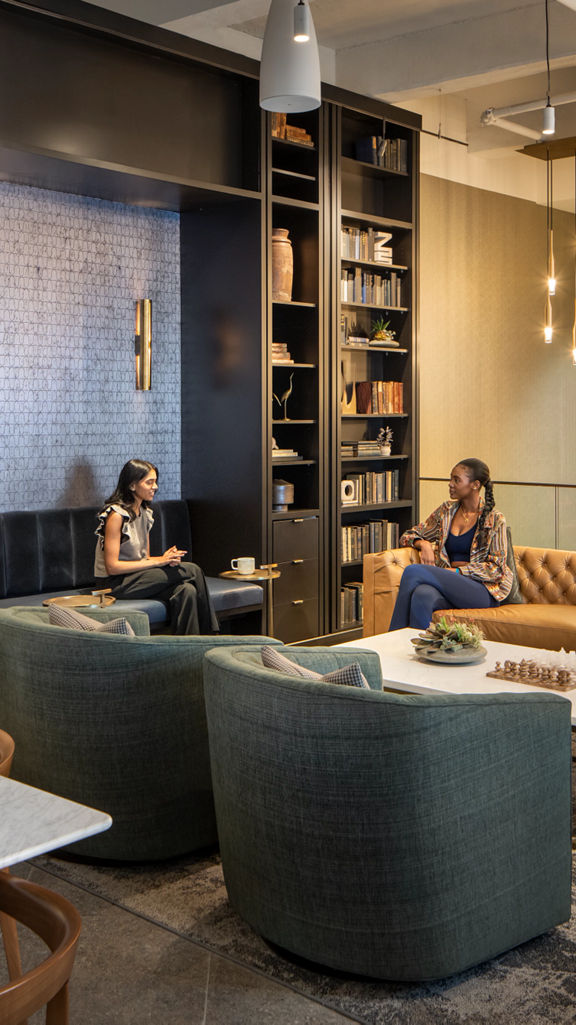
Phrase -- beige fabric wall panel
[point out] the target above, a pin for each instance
(567, 519)
(530, 513)
(489, 386)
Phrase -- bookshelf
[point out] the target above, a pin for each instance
(374, 274)
(296, 368)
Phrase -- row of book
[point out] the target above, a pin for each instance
(371, 488)
(380, 397)
(391, 154)
(351, 449)
(360, 286)
(359, 539)
(367, 244)
(351, 603)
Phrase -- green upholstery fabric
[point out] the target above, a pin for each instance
(397, 836)
(114, 722)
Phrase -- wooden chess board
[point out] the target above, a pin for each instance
(536, 674)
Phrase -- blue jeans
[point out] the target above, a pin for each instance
(424, 589)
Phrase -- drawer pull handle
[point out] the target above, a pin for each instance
(296, 562)
(301, 520)
(298, 601)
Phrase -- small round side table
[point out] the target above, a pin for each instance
(267, 574)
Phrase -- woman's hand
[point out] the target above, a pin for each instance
(172, 557)
(426, 553)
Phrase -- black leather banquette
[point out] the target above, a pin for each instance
(50, 552)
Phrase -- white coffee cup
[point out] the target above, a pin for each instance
(244, 565)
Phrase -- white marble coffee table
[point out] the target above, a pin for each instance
(403, 671)
(34, 822)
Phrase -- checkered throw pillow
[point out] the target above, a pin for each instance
(72, 620)
(349, 676)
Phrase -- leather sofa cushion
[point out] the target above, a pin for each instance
(547, 575)
(536, 626)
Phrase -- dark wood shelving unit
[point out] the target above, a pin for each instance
(373, 200)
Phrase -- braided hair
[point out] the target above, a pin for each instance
(478, 470)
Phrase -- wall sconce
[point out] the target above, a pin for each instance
(143, 344)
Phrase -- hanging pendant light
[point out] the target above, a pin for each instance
(289, 70)
(574, 258)
(550, 225)
(548, 330)
(302, 20)
(549, 116)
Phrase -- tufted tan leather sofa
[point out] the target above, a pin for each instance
(547, 578)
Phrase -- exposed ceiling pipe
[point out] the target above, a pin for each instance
(488, 118)
(523, 108)
(497, 115)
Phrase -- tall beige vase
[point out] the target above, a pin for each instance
(282, 265)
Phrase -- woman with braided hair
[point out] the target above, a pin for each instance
(463, 551)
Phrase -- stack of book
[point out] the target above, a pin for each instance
(359, 539)
(296, 134)
(351, 603)
(368, 244)
(280, 353)
(380, 397)
(357, 342)
(278, 454)
(360, 286)
(373, 487)
(359, 448)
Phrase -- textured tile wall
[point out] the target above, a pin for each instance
(71, 270)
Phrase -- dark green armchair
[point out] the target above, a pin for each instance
(114, 722)
(402, 837)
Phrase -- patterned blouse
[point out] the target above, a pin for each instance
(487, 562)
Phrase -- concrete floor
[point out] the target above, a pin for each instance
(130, 971)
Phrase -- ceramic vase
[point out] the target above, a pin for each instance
(282, 265)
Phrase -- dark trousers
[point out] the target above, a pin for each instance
(424, 589)
(182, 588)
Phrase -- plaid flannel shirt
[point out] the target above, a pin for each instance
(487, 562)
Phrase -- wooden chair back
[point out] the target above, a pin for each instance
(6, 753)
(55, 921)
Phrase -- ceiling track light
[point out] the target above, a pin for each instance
(301, 22)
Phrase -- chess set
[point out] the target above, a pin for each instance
(537, 675)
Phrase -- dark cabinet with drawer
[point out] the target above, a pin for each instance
(296, 601)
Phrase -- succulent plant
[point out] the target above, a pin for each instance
(449, 635)
(380, 329)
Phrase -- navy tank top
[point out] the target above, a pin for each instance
(458, 546)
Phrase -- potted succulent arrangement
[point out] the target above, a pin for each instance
(380, 332)
(451, 640)
(384, 440)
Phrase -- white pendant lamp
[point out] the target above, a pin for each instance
(289, 70)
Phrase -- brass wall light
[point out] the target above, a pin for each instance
(143, 344)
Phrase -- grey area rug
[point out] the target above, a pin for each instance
(535, 984)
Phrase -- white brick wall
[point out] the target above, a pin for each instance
(71, 269)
